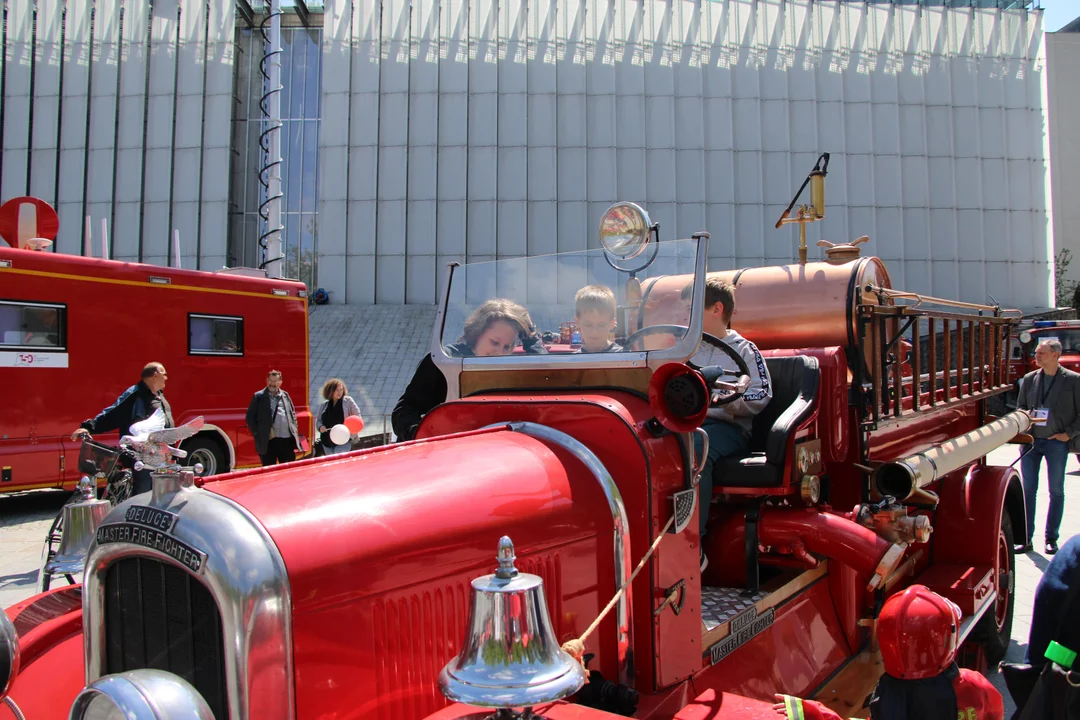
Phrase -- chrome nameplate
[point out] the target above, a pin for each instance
(151, 517)
(153, 539)
(743, 628)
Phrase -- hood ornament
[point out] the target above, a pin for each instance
(151, 442)
(510, 657)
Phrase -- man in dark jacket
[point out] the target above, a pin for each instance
(1052, 395)
(271, 418)
(135, 404)
(1054, 608)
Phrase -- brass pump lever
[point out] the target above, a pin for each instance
(812, 212)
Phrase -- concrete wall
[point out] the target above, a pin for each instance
(497, 128)
(119, 111)
(1063, 91)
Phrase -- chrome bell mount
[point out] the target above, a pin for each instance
(511, 657)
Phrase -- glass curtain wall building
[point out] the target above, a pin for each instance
(301, 114)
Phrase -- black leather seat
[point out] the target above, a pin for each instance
(794, 386)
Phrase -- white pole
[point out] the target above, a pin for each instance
(88, 250)
(273, 107)
(104, 239)
(176, 246)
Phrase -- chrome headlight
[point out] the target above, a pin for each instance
(9, 652)
(140, 695)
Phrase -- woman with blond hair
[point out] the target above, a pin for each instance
(491, 329)
(335, 407)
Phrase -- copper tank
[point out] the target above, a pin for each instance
(782, 306)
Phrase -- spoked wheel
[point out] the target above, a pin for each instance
(994, 630)
(118, 490)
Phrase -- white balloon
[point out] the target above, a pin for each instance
(339, 434)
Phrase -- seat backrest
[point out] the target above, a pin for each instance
(787, 376)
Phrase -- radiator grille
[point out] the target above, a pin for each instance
(415, 633)
(157, 616)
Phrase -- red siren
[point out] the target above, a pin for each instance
(678, 397)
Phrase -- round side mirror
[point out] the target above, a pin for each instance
(1025, 337)
(625, 230)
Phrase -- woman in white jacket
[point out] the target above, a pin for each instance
(335, 407)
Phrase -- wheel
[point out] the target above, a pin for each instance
(994, 629)
(201, 449)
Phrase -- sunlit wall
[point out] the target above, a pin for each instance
(467, 130)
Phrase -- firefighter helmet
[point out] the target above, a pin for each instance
(917, 632)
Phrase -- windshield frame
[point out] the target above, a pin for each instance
(684, 349)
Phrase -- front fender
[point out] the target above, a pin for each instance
(51, 644)
(968, 517)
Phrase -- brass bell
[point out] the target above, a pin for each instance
(81, 520)
(510, 657)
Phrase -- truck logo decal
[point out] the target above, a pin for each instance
(34, 359)
(150, 517)
(148, 537)
(743, 628)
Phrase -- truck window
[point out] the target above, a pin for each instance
(215, 335)
(33, 326)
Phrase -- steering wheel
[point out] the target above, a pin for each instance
(710, 339)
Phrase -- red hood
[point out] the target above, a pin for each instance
(364, 523)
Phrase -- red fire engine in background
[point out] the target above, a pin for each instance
(347, 586)
(76, 331)
(1027, 337)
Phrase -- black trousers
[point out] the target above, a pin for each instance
(141, 481)
(279, 450)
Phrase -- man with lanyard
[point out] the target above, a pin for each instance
(1051, 395)
(271, 418)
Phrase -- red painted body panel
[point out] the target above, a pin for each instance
(795, 655)
(967, 521)
(612, 427)
(117, 321)
(44, 690)
(372, 559)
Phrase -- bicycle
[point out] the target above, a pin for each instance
(96, 462)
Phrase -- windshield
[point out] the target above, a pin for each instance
(570, 303)
(1069, 338)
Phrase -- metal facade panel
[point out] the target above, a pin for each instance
(710, 114)
(46, 101)
(16, 99)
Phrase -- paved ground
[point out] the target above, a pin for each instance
(24, 520)
(373, 349)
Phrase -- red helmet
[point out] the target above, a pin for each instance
(917, 632)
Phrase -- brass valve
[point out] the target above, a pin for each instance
(893, 523)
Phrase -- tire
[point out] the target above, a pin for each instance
(994, 629)
(205, 450)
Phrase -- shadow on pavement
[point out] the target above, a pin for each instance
(45, 503)
(18, 580)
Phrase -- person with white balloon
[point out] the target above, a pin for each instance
(338, 417)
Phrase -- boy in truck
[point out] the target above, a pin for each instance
(728, 426)
(594, 313)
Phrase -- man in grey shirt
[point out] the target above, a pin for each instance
(1051, 395)
(271, 418)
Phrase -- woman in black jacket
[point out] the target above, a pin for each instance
(492, 329)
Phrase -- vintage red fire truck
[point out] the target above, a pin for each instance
(345, 587)
(76, 331)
